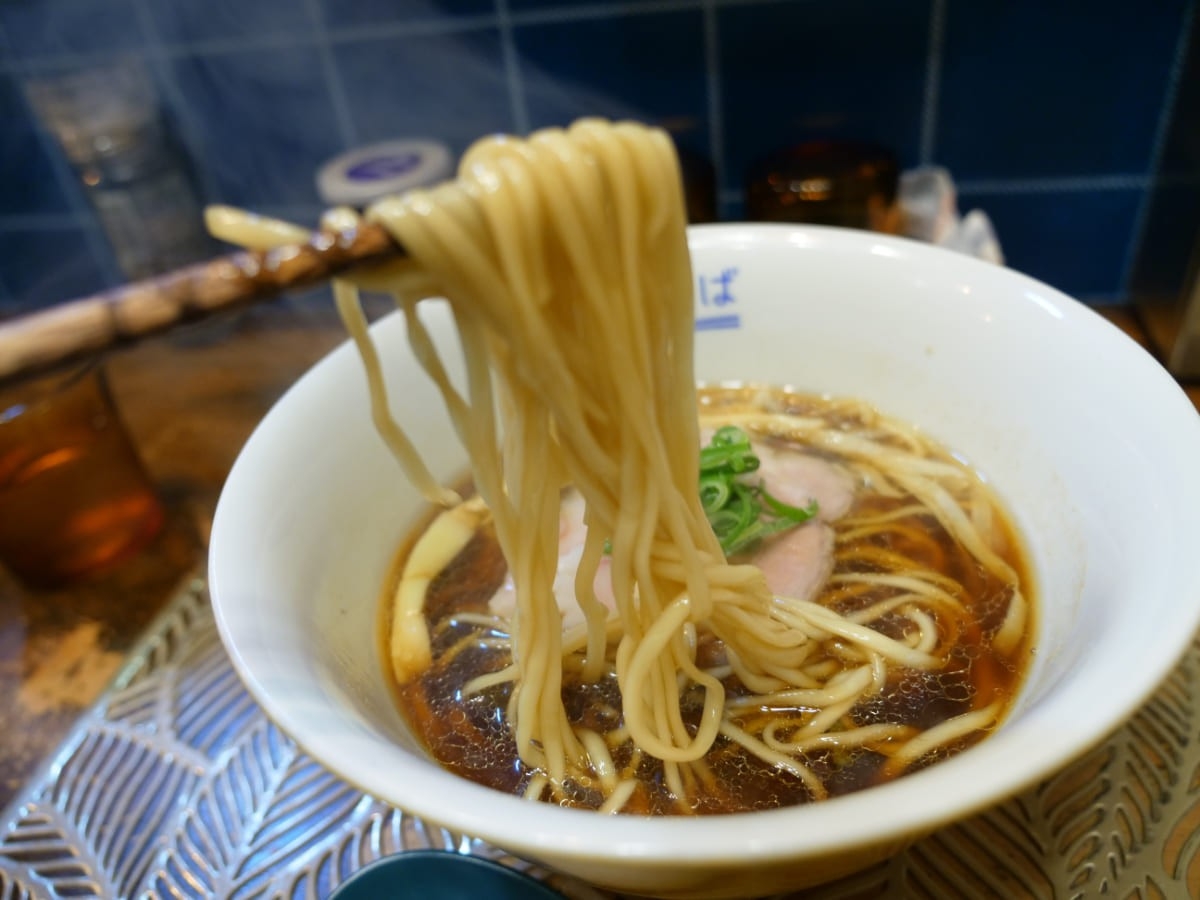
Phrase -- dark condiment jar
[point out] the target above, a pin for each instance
(842, 183)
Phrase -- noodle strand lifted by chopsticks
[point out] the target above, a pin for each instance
(577, 323)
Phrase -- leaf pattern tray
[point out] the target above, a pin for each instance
(176, 785)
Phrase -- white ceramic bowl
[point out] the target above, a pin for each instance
(1092, 445)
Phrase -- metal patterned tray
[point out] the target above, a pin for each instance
(176, 785)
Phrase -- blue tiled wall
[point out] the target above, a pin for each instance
(1051, 115)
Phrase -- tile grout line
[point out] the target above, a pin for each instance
(716, 106)
(223, 45)
(583, 12)
(1138, 233)
(58, 62)
(347, 131)
(383, 31)
(1053, 184)
(519, 107)
(933, 82)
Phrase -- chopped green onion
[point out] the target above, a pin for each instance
(714, 493)
(739, 513)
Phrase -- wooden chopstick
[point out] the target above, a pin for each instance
(85, 327)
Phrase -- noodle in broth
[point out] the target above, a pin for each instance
(565, 263)
(851, 714)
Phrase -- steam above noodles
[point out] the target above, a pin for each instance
(565, 263)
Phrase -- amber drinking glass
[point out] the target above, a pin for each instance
(74, 497)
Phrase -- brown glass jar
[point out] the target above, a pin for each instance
(842, 183)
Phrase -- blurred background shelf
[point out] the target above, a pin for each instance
(1055, 121)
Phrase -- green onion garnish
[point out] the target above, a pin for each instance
(741, 514)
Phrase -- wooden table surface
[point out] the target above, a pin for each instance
(190, 401)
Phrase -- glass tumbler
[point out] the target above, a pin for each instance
(75, 499)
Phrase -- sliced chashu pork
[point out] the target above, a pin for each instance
(795, 563)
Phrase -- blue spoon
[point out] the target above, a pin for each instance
(440, 875)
